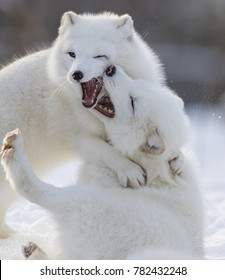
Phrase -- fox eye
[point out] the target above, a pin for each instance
(101, 56)
(72, 54)
(132, 103)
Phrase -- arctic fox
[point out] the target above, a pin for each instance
(45, 95)
(100, 219)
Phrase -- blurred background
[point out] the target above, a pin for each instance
(189, 36)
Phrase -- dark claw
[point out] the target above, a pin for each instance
(29, 249)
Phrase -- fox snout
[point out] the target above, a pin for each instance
(111, 71)
(77, 75)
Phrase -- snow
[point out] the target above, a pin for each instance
(207, 139)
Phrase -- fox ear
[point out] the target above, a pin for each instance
(125, 24)
(68, 18)
(155, 144)
(180, 101)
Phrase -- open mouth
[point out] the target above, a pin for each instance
(105, 106)
(91, 90)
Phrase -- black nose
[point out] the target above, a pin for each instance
(110, 71)
(78, 75)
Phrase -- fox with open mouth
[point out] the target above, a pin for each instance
(96, 218)
(42, 94)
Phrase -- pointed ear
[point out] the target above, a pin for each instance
(68, 18)
(125, 24)
(180, 101)
(155, 144)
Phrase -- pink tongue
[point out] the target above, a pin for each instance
(89, 93)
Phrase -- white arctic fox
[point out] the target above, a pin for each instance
(100, 219)
(42, 94)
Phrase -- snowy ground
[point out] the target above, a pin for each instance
(208, 139)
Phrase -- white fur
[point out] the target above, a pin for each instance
(39, 96)
(101, 220)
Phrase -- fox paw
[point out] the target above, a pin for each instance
(12, 140)
(176, 163)
(31, 251)
(131, 175)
